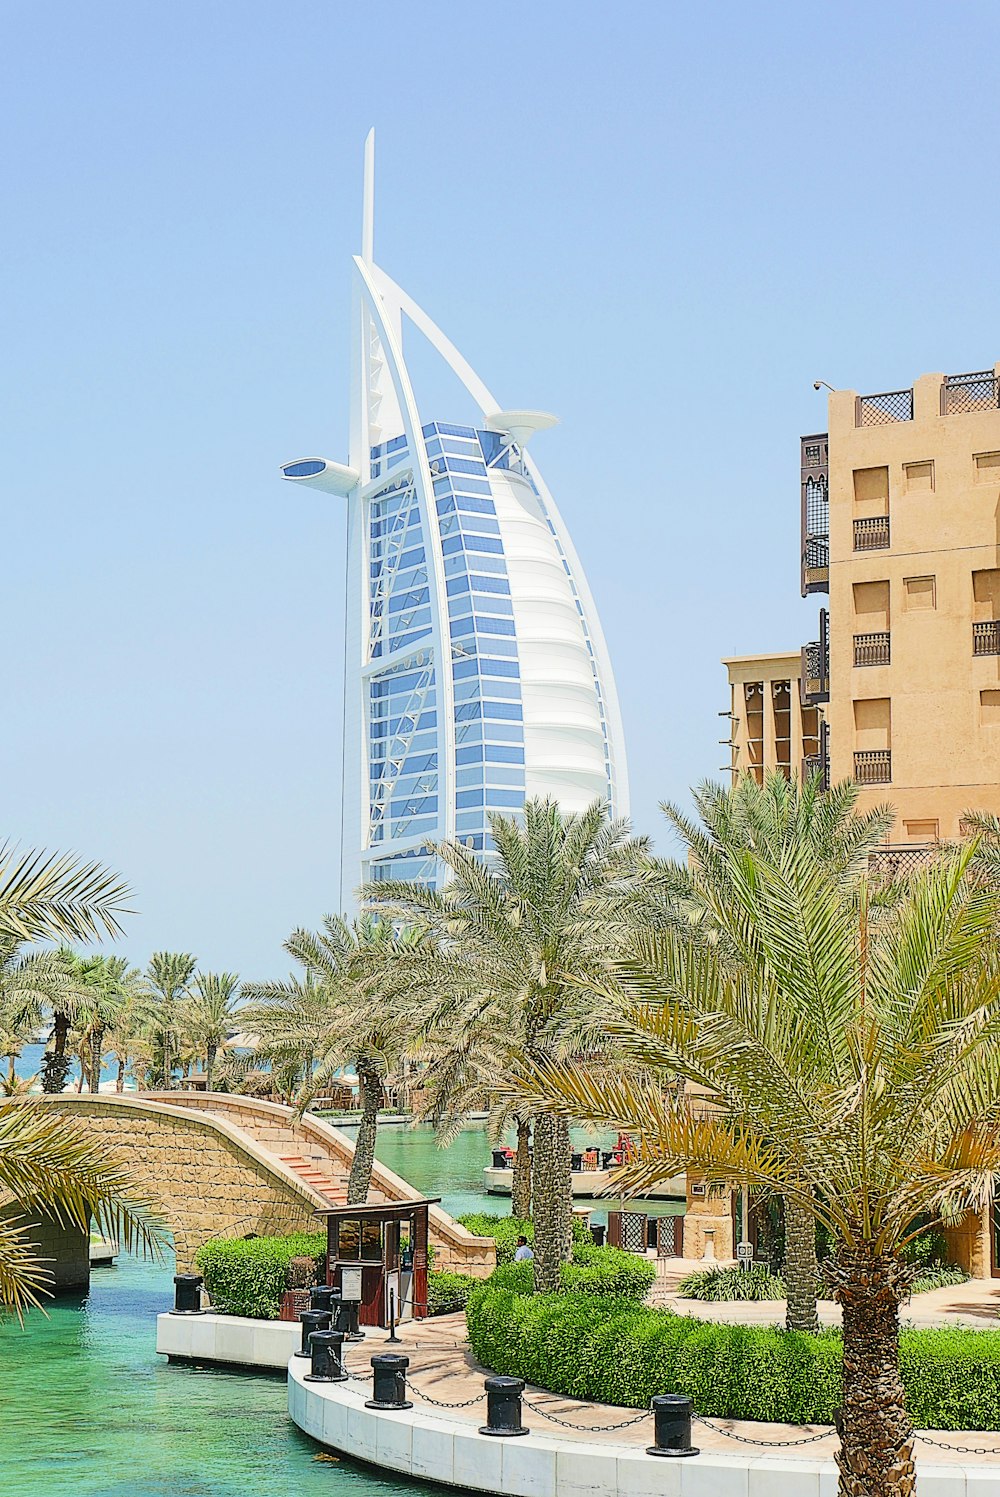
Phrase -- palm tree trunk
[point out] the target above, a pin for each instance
(520, 1194)
(801, 1268)
(11, 1062)
(552, 1199)
(209, 1063)
(56, 1062)
(96, 1058)
(360, 1179)
(876, 1436)
(120, 1078)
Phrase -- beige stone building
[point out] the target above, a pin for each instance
(900, 690)
(900, 517)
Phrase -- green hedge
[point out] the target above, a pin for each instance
(447, 1292)
(602, 1271)
(619, 1352)
(248, 1275)
(505, 1230)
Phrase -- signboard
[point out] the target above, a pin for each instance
(744, 1252)
(350, 1285)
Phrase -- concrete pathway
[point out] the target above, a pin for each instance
(975, 1303)
(443, 1368)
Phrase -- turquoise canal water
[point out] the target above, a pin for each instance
(87, 1408)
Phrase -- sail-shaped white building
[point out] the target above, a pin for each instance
(476, 671)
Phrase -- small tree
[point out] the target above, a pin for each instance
(168, 977)
(208, 1016)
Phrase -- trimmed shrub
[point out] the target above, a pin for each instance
(602, 1271)
(505, 1230)
(619, 1352)
(754, 1283)
(447, 1292)
(939, 1276)
(248, 1275)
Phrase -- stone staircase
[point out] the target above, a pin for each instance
(321, 1179)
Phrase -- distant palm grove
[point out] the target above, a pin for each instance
(769, 1008)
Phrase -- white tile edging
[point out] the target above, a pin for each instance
(234, 1340)
(416, 1443)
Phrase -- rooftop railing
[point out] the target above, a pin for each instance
(883, 410)
(961, 393)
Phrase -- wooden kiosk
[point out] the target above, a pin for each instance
(366, 1257)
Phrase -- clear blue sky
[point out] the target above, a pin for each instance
(661, 221)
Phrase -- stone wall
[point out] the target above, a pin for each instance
(65, 1249)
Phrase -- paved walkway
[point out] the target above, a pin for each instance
(974, 1303)
(443, 1368)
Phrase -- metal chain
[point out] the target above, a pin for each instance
(587, 1428)
(962, 1449)
(440, 1403)
(771, 1444)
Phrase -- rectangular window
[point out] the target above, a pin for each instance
(871, 491)
(987, 467)
(921, 831)
(919, 593)
(871, 605)
(989, 708)
(873, 723)
(986, 594)
(918, 477)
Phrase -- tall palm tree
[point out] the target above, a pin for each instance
(208, 1018)
(528, 927)
(168, 977)
(767, 819)
(30, 984)
(128, 1035)
(66, 1000)
(107, 983)
(851, 1068)
(354, 1008)
(466, 1048)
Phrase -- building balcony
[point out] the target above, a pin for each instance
(883, 410)
(962, 393)
(872, 534)
(986, 638)
(814, 674)
(873, 767)
(897, 861)
(815, 516)
(871, 649)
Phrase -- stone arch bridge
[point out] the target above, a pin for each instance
(221, 1165)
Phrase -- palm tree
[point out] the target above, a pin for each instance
(168, 975)
(354, 1008)
(29, 985)
(528, 927)
(852, 1067)
(466, 1047)
(128, 1033)
(108, 983)
(66, 1000)
(52, 1170)
(768, 818)
(208, 1018)
(55, 896)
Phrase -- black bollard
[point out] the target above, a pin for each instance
(672, 1421)
(503, 1407)
(187, 1294)
(597, 1233)
(347, 1319)
(326, 1358)
(389, 1383)
(311, 1320)
(324, 1297)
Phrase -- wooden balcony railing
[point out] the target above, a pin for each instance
(872, 649)
(873, 766)
(871, 534)
(986, 638)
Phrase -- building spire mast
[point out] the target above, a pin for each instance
(368, 202)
